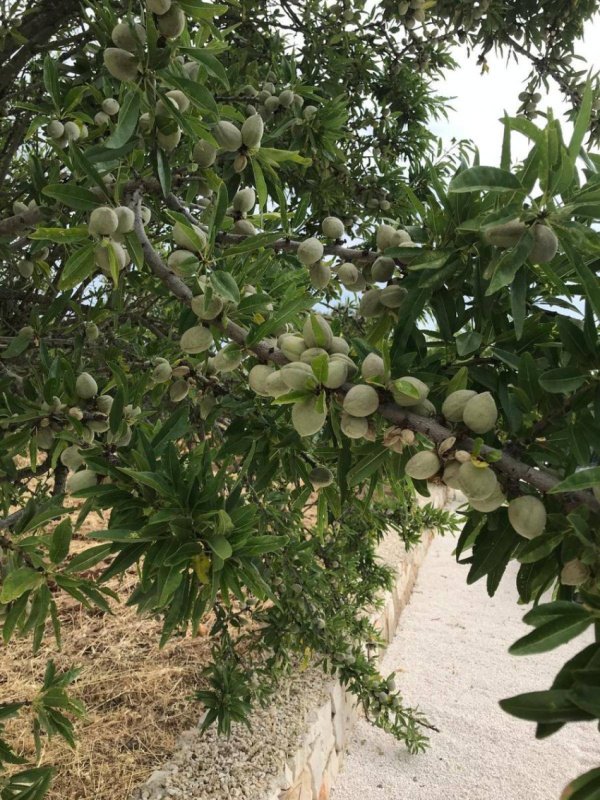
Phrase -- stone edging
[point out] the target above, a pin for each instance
(295, 747)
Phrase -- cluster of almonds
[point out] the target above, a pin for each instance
(110, 225)
(92, 411)
(545, 243)
(242, 141)
(62, 133)
(109, 108)
(529, 101)
(411, 12)
(26, 266)
(124, 61)
(356, 277)
(268, 100)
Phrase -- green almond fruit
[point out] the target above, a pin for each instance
(370, 304)
(104, 403)
(320, 477)
(204, 153)
(491, 503)
(353, 427)
(85, 386)
(400, 238)
(103, 221)
(505, 235)
(423, 465)
(169, 141)
(545, 244)
(181, 261)
(450, 476)
(243, 227)
(339, 345)
(307, 419)
(372, 367)
(454, 405)
(84, 479)
(102, 256)
(317, 332)
(158, 6)
(310, 251)
(110, 106)
(527, 515)
(228, 359)
(424, 409)
(244, 200)
(402, 398)
(181, 100)
(347, 274)
(99, 425)
(162, 373)
(44, 438)
(122, 65)
(257, 379)
(384, 236)
(55, 130)
(196, 340)
(286, 98)
(361, 401)
(275, 385)
(292, 346)
(477, 483)
(320, 275)
(252, 131)
(309, 355)
(127, 37)
(337, 374)
(392, 296)
(382, 269)
(172, 23)
(26, 268)
(574, 573)
(179, 390)
(480, 413)
(297, 376)
(126, 219)
(351, 366)
(333, 228)
(183, 239)
(228, 136)
(71, 457)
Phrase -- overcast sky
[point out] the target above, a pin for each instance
(480, 100)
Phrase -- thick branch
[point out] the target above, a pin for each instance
(540, 479)
(19, 222)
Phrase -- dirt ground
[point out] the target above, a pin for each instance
(137, 696)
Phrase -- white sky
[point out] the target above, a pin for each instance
(480, 100)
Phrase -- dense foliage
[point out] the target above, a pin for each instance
(249, 304)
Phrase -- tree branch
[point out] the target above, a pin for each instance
(540, 479)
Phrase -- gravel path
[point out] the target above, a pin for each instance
(450, 653)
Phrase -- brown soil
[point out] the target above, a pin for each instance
(138, 697)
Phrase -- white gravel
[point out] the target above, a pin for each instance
(451, 656)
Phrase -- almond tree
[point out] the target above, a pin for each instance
(250, 306)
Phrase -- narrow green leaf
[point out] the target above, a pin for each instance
(72, 196)
(551, 634)
(61, 541)
(19, 581)
(79, 266)
(584, 479)
(127, 120)
(491, 179)
(563, 380)
(553, 705)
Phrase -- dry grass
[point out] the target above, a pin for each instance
(137, 696)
